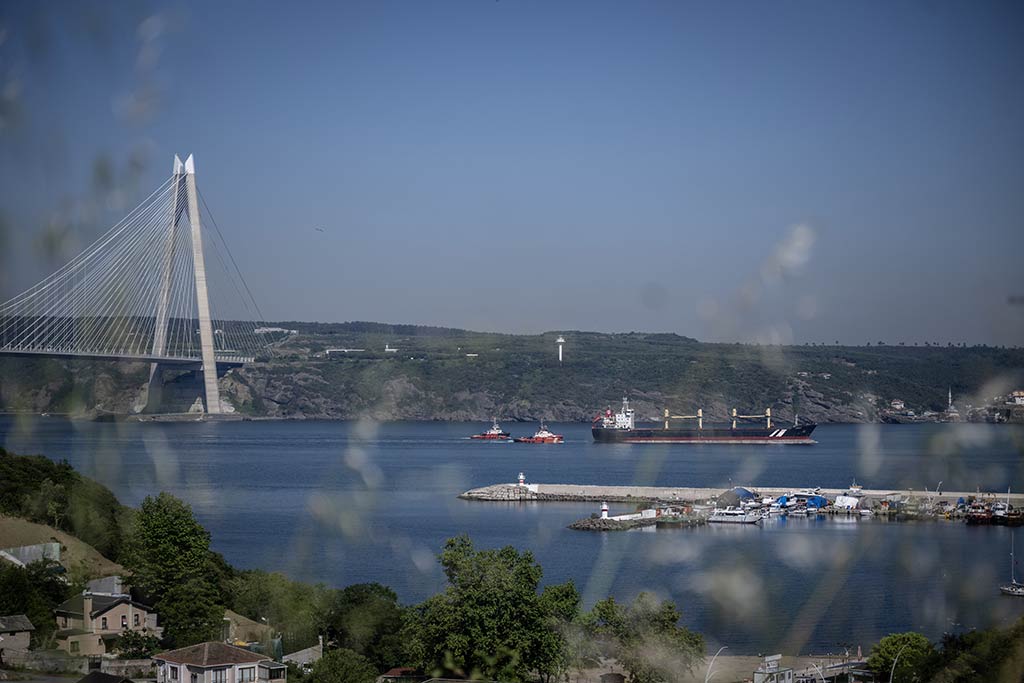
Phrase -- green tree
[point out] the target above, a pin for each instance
(191, 612)
(136, 645)
(645, 638)
(34, 591)
(367, 619)
(168, 555)
(294, 609)
(917, 656)
(166, 546)
(343, 666)
(46, 505)
(552, 652)
(989, 655)
(490, 622)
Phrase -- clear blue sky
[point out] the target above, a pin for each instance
(794, 171)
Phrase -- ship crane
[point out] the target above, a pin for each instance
(699, 417)
(767, 416)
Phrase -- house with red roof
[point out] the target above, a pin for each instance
(214, 662)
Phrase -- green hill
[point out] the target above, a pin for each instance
(451, 374)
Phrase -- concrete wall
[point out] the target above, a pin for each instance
(83, 645)
(56, 661)
(64, 621)
(114, 616)
(46, 660)
(129, 668)
(18, 640)
(27, 554)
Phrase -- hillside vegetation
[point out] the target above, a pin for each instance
(450, 374)
(39, 490)
(75, 554)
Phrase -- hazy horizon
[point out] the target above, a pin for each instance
(785, 173)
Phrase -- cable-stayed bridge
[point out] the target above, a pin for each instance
(147, 290)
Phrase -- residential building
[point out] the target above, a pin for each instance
(401, 674)
(213, 662)
(305, 659)
(89, 623)
(15, 633)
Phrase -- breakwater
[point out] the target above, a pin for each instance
(630, 494)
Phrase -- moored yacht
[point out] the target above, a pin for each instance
(1014, 588)
(734, 515)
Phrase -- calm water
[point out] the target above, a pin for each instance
(349, 502)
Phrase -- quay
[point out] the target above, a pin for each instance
(595, 493)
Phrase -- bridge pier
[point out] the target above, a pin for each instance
(174, 389)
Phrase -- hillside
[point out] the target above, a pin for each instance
(75, 554)
(51, 493)
(450, 374)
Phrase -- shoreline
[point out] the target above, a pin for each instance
(240, 417)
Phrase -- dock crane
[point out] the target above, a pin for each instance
(699, 417)
(767, 416)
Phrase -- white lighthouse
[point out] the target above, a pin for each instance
(560, 341)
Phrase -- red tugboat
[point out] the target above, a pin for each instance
(542, 436)
(493, 434)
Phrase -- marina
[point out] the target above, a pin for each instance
(625, 494)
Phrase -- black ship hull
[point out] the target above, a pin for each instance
(713, 434)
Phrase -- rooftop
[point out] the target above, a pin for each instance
(100, 604)
(210, 654)
(15, 622)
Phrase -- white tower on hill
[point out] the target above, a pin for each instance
(560, 341)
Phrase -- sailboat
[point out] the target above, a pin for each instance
(1014, 587)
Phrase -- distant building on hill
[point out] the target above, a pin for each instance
(305, 659)
(897, 404)
(25, 555)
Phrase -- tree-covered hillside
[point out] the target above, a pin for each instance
(341, 370)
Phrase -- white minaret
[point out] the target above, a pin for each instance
(949, 403)
(560, 341)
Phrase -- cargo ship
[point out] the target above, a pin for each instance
(621, 428)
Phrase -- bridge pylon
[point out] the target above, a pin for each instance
(185, 199)
(154, 288)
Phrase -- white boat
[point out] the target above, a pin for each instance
(733, 515)
(865, 512)
(1013, 588)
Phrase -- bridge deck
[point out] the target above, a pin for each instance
(228, 361)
